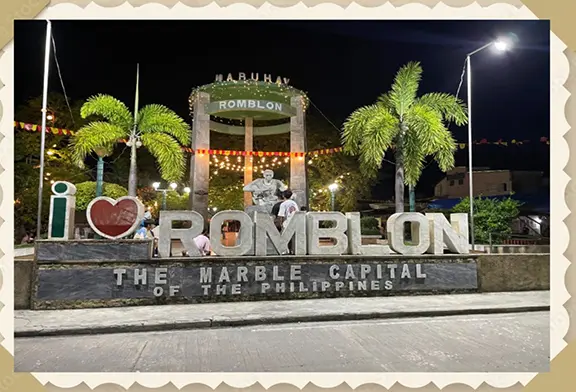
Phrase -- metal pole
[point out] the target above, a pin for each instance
(43, 130)
(99, 176)
(164, 199)
(333, 200)
(470, 169)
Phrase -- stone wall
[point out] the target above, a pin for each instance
(216, 279)
(23, 275)
(493, 273)
(513, 272)
(76, 251)
(514, 248)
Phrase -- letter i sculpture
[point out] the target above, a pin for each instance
(62, 210)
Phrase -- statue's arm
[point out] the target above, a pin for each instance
(282, 186)
(250, 187)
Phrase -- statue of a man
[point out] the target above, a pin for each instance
(264, 190)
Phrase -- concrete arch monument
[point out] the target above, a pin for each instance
(246, 98)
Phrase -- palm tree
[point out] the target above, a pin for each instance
(157, 128)
(414, 127)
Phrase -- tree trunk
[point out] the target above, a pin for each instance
(132, 177)
(99, 176)
(399, 183)
(412, 198)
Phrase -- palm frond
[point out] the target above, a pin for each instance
(97, 136)
(377, 137)
(452, 108)
(110, 108)
(159, 119)
(426, 135)
(413, 157)
(405, 87)
(386, 101)
(353, 129)
(444, 154)
(168, 154)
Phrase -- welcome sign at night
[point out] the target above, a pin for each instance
(118, 219)
(430, 234)
(254, 105)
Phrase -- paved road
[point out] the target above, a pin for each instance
(482, 343)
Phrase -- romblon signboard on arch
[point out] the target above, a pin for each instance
(430, 233)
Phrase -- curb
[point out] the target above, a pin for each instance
(203, 324)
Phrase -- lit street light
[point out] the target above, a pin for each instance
(156, 187)
(501, 46)
(173, 187)
(333, 188)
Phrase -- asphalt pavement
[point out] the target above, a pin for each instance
(515, 342)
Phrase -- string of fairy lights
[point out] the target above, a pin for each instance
(230, 89)
(237, 164)
(219, 163)
(246, 89)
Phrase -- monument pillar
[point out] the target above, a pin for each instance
(298, 176)
(248, 160)
(200, 163)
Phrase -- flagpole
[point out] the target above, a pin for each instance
(134, 140)
(43, 129)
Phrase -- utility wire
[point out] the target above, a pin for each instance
(457, 94)
(336, 128)
(62, 81)
(461, 78)
(323, 115)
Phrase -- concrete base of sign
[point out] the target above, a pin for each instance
(214, 279)
(82, 251)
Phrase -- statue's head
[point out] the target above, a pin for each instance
(268, 174)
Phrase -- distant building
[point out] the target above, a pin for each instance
(488, 183)
(530, 188)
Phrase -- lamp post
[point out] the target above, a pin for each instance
(156, 187)
(501, 46)
(333, 188)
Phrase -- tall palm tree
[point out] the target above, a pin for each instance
(160, 130)
(414, 127)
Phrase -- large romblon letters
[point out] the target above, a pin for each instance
(430, 234)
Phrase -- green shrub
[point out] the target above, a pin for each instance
(491, 216)
(86, 192)
(369, 225)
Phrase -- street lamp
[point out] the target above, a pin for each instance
(187, 189)
(156, 187)
(501, 46)
(333, 188)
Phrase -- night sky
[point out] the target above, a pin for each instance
(342, 65)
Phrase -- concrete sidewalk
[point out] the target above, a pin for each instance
(172, 317)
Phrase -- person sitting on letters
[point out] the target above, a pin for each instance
(203, 244)
(144, 232)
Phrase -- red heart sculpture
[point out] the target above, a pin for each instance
(115, 218)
